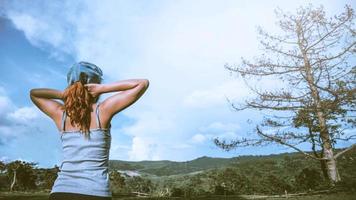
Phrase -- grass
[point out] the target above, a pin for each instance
(44, 196)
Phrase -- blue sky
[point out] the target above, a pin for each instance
(180, 46)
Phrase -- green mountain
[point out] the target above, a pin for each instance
(167, 168)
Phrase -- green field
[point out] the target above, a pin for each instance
(335, 196)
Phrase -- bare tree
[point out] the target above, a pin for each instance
(12, 171)
(313, 58)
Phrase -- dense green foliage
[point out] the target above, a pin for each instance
(272, 174)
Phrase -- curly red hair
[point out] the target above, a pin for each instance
(78, 106)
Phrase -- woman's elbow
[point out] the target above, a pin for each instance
(32, 92)
(145, 83)
(32, 95)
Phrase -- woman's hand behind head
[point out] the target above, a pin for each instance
(94, 89)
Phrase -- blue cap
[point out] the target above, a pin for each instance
(93, 73)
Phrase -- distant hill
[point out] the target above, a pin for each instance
(167, 168)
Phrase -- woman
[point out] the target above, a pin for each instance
(84, 124)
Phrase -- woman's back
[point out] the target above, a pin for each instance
(84, 168)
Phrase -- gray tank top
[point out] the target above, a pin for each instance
(84, 167)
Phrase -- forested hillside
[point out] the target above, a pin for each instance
(271, 174)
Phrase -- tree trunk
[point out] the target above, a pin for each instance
(13, 181)
(324, 169)
(328, 153)
(333, 172)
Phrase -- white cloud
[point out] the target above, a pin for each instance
(220, 127)
(6, 106)
(24, 114)
(39, 32)
(198, 138)
(5, 102)
(151, 132)
(235, 90)
(148, 122)
(182, 146)
(31, 27)
(215, 130)
(14, 120)
(143, 149)
(26, 133)
(217, 95)
(48, 25)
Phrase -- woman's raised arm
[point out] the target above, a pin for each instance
(129, 91)
(43, 98)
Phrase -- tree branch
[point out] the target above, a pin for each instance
(344, 151)
(278, 140)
